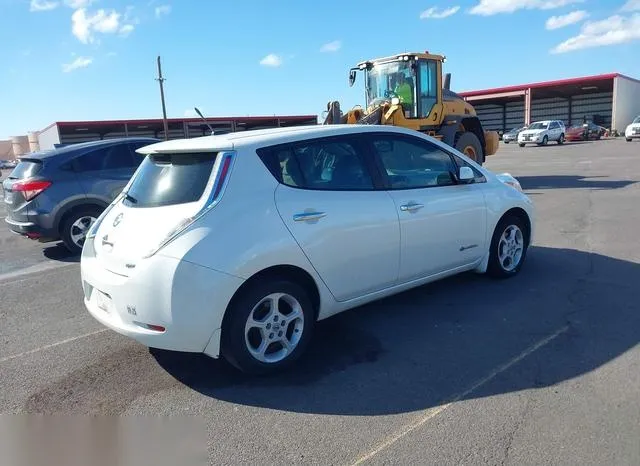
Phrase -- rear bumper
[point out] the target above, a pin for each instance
(30, 230)
(187, 300)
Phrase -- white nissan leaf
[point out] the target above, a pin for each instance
(236, 245)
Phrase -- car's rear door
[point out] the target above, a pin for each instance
(442, 223)
(105, 171)
(346, 227)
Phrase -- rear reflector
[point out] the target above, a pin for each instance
(155, 328)
(30, 188)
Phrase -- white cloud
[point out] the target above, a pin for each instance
(80, 62)
(557, 22)
(631, 5)
(610, 31)
(331, 46)
(85, 25)
(162, 10)
(433, 13)
(75, 4)
(126, 30)
(271, 60)
(493, 7)
(43, 5)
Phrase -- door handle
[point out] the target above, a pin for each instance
(411, 207)
(307, 216)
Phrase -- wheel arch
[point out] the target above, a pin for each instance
(523, 215)
(75, 206)
(291, 272)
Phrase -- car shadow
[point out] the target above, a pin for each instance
(420, 348)
(571, 182)
(59, 253)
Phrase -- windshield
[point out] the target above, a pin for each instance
(388, 80)
(637, 119)
(539, 125)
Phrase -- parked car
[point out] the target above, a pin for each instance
(58, 194)
(541, 132)
(632, 131)
(235, 245)
(512, 135)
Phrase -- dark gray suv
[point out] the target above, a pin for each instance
(58, 194)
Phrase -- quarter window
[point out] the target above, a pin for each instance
(326, 165)
(413, 164)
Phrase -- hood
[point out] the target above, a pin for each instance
(533, 131)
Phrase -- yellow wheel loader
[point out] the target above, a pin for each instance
(407, 90)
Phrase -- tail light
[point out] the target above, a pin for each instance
(30, 188)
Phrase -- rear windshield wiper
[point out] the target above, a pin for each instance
(130, 198)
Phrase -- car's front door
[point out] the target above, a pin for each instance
(442, 222)
(347, 229)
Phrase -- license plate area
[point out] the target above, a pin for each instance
(103, 301)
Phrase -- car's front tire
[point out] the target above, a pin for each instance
(509, 246)
(561, 139)
(521, 144)
(628, 139)
(267, 326)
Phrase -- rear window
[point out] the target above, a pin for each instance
(170, 179)
(26, 169)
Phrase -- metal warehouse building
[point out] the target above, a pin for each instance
(70, 132)
(609, 100)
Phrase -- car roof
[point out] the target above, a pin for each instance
(231, 141)
(84, 146)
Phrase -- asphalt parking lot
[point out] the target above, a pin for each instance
(540, 369)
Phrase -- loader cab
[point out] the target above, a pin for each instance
(411, 80)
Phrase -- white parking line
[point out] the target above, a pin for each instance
(52, 345)
(41, 267)
(433, 412)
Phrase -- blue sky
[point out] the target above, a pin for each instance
(95, 59)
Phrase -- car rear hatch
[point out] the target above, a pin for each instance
(23, 186)
(166, 194)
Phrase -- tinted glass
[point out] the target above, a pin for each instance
(323, 165)
(170, 179)
(413, 164)
(25, 169)
(106, 158)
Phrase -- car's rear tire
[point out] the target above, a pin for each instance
(628, 139)
(253, 326)
(509, 246)
(75, 227)
(521, 145)
(561, 139)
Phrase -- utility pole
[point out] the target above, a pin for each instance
(161, 80)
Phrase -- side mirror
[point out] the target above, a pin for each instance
(352, 77)
(465, 174)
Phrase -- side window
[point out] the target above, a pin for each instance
(137, 158)
(428, 84)
(326, 165)
(411, 163)
(107, 158)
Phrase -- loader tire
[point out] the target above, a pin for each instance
(469, 144)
